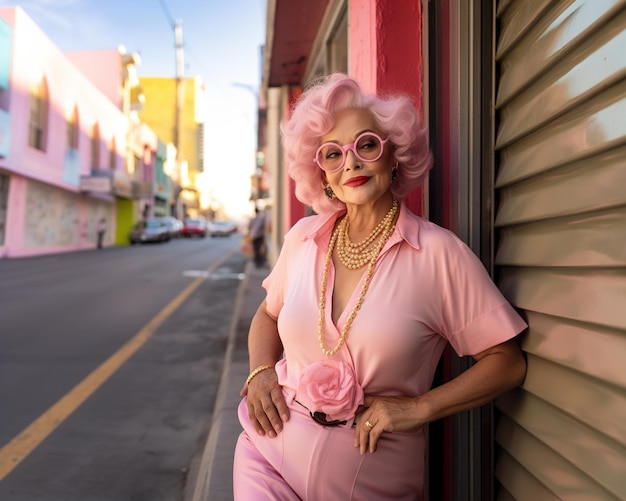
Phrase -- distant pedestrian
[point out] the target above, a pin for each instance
(257, 234)
(102, 225)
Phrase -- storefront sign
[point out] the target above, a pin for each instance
(95, 184)
(122, 186)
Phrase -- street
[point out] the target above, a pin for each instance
(109, 366)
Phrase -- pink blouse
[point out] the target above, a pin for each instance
(428, 289)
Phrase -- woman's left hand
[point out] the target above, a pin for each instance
(497, 369)
(385, 415)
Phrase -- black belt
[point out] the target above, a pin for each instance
(322, 418)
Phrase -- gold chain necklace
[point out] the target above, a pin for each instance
(356, 255)
(357, 306)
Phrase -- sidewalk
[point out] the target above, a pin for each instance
(214, 477)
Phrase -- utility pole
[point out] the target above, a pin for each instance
(180, 89)
(178, 113)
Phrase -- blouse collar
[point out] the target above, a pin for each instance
(407, 228)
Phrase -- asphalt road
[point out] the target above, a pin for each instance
(109, 366)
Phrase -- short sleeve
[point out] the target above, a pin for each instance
(475, 314)
(277, 282)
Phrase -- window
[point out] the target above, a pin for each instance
(95, 146)
(72, 130)
(112, 154)
(38, 116)
(138, 165)
(338, 46)
(330, 52)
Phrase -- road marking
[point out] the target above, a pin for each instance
(23, 444)
(227, 276)
(224, 274)
(197, 273)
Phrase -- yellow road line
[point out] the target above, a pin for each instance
(23, 444)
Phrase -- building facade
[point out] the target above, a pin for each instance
(173, 110)
(525, 106)
(57, 129)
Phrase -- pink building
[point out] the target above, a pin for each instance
(62, 147)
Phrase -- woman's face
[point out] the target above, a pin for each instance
(358, 182)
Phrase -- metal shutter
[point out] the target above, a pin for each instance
(561, 252)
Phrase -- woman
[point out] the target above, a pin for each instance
(360, 305)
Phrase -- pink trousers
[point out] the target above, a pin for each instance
(313, 462)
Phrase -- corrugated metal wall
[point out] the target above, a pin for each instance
(561, 252)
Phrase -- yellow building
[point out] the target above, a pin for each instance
(180, 124)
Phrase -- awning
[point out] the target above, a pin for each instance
(291, 29)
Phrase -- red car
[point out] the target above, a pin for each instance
(194, 227)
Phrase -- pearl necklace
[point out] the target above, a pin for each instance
(368, 278)
(356, 255)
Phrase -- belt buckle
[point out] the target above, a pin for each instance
(320, 418)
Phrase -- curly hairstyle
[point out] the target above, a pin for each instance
(312, 117)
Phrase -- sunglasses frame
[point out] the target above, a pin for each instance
(344, 150)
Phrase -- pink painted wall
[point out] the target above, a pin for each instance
(385, 41)
(385, 47)
(103, 68)
(362, 37)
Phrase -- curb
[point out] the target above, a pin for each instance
(202, 484)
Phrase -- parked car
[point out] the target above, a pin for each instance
(221, 228)
(194, 227)
(150, 230)
(174, 226)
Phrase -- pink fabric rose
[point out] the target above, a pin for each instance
(331, 387)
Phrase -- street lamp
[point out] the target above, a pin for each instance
(255, 93)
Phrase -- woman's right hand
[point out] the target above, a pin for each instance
(267, 408)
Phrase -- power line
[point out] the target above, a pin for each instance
(167, 13)
(193, 60)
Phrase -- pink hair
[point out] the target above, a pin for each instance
(312, 117)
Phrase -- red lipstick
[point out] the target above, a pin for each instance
(356, 181)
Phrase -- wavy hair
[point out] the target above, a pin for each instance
(312, 117)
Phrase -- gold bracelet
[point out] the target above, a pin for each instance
(253, 374)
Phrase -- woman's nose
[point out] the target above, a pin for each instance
(352, 161)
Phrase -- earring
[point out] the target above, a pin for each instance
(328, 191)
(394, 172)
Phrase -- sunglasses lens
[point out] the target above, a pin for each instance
(368, 147)
(330, 156)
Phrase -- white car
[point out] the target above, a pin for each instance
(221, 228)
(150, 230)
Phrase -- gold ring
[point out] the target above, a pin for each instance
(368, 424)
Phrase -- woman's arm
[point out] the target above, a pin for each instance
(497, 370)
(266, 405)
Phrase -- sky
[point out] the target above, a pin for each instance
(222, 45)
